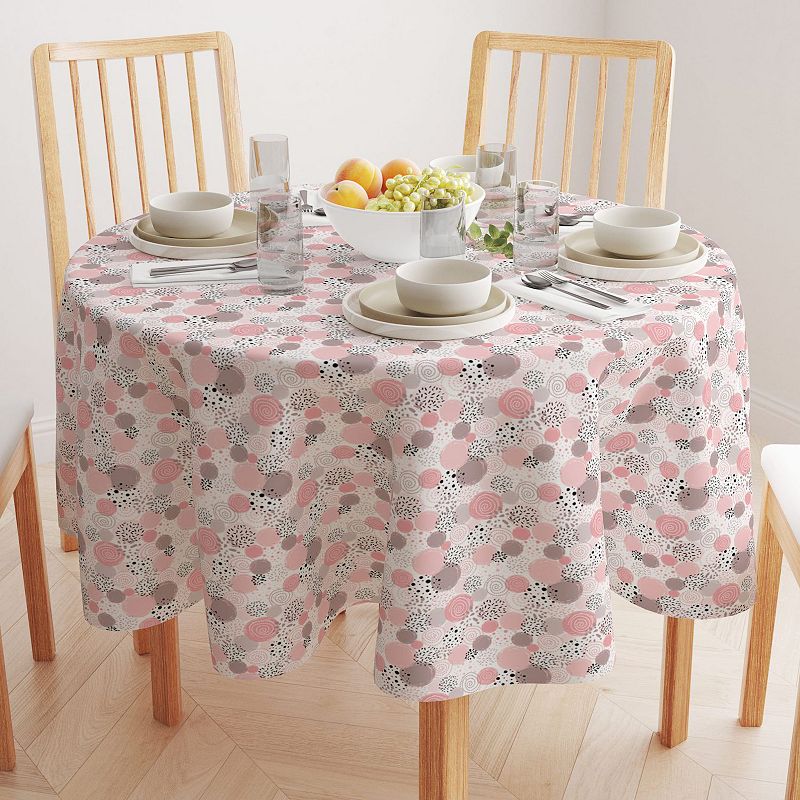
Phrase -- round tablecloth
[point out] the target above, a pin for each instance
(260, 453)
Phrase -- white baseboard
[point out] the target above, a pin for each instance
(774, 420)
(44, 439)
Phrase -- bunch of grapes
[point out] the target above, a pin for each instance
(433, 188)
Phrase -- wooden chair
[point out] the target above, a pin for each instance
(162, 639)
(779, 536)
(18, 477)
(444, 725)
(577, 49)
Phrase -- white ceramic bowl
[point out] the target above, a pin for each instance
(458, 163)
(385, 235)
(191, 215)
(443, 286)
(636, 231)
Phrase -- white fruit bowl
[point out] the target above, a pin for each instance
(385, 235)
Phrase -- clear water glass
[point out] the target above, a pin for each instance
(269, 165)
(536, 226)
(280, 243)
(496, 173)
(442, 232)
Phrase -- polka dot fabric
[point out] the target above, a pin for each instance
(258, 453)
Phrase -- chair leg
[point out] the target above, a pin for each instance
(69, 542)
(444, 749)
(762, 624)
(34, 566)
(793, 776)
(165, 672)
(8, 755)
(141, 641)
(676, 681)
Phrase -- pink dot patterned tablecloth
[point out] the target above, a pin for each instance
(260, 454)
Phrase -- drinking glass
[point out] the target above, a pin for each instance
(442, 232)
(536, 227)
(280, 243)
(269, 165)
(496, 172)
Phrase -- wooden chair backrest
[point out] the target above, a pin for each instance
(578, 49)
(129, 50)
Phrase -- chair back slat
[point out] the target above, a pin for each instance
(627, 126)
(569, 125)
(166, 124)
(541, 116)
(138, 141)
(578, 50)
(129, 50)
(111, 149)
(197, 131)
(80, 133)
(512, 96)
(599, 122)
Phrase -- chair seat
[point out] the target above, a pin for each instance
(781, 463)
(15, 416)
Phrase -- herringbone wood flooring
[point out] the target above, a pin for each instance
(84, 730)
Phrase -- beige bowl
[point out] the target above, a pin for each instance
(191, 215)
(443, 286)
(636, 231)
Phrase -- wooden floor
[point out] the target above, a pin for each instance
(84, 730)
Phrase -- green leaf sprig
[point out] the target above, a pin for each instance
(495, 240)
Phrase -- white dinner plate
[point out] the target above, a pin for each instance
(243, 229)
(191, 253)
(642, 273)
(581, 246)
(379, 300)
(439, 333)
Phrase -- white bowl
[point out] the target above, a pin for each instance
(636, 231)
(385, 235)
(443, 286)
(457, 164)
(191, 215)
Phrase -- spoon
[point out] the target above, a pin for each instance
(236, 266)
(538, 282)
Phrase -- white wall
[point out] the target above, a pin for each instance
(365, 78)
(340, 78)
(735, 165)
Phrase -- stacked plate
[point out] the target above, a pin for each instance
(238, 240)
(581, 255)
(377, 309)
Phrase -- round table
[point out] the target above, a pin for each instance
(259, 453)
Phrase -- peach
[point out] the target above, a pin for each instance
(398, 166)
(363, 172)
(347, 193)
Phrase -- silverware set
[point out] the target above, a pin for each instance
(543, 279)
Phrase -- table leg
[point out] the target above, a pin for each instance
(762, 624)
(141, 641)
(676, 680)
(444, 749)
(165, 672)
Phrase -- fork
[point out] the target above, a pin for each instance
(551, 276)
(306, 207)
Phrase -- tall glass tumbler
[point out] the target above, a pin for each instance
(496, 173)
(280, 243)
(442, 232)
(269, 165)
(536, 227)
